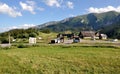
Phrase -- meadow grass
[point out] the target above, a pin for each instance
(60, 59)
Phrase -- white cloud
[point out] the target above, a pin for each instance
(5, 9)
(24, 26)
(52, 3)
(28, 6)
(3, 29)
(72, 15)
(105, 9)
(32, 3)
(40, 8)
(70, 5)
(59, 3)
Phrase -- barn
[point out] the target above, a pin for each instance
(87, 34)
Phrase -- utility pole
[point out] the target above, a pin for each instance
(9, 39)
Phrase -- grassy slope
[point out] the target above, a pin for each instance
(60, 60)
(46, 38)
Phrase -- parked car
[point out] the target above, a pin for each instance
(76, 40)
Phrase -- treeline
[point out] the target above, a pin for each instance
(21, 33)
(18, 33)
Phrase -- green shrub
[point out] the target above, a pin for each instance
(22, 46)
(32, 34)
(35, 45)
(4, 40)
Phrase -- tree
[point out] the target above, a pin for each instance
(32, 34)
(4, 40)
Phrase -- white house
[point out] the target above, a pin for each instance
(103, 36)
(32, 40)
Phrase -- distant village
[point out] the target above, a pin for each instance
(68, 38)
(82, 35)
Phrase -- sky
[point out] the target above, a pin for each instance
(27, 13)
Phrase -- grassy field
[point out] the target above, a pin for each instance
(60, 59)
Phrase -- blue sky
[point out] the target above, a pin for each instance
(27, 13)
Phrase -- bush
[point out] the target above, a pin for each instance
(4, 40)
(32, 34)
(24, 35)
(22, 46)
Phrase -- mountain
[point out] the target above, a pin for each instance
(92, 21)
(46, 24)
(108, 23)
(113, 30)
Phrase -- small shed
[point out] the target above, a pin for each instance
(32, 40)
(114, 40)
(40, 38)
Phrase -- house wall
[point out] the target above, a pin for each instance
(32, 40)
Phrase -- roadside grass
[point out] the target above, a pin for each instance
(61, 59)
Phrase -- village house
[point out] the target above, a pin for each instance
(92, 35)
(87, 34)
(103, 36)
(32, 40)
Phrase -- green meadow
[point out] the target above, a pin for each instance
(60, 59)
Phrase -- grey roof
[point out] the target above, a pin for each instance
(88, 33)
